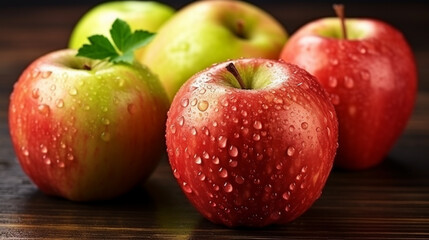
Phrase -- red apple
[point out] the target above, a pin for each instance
(371, 77)
(87, 129)
(256, 154)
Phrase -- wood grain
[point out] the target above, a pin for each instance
(390, 201)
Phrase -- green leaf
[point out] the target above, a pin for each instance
(125, 43)
(120, 33)
(99, 48)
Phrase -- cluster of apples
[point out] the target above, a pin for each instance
(254, 119)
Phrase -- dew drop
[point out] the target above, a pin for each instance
(59, 103)
(334, 61)
(216, 160)
(131, 108)
(286, 195)
(203, 105)
(256, 137)
(304, 169)
(222, 141)
(332, 82)
(362, 50)
(198, 160)
(335, 99)
(223, 173)
(48, 161)
(243, 113)
(73, 91)
(227, 187)
(35, 93)
(173, 129)
(193, 131)
(292, 186)
(184, 102)
(206, 155)
(233, 151)
(61, 164)
(186, 188)
(70, 157)
(290, 151)
(105, 136)
(25, 151)
(287, 208)
(304, 125)
(257, 125)
(176, 174)
(232, 163)
(43, 148)
(181, 121)
(201, 176)
(348, 82)
(44, 109)
(291, 128)
(46, 74)
(239, 179)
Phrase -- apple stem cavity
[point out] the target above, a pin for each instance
(240, 29)
(339, 10)
(233, 70)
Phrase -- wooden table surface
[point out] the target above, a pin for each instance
(390, 201)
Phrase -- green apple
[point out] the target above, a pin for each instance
(208, 32)
(145, 15)
(87, 129)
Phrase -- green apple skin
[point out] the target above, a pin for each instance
(145, 15)
(87, 134)
(208, 32)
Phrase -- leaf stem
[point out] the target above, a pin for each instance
(339, 10)
(233, 70)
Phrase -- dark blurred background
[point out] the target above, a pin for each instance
(410, 17)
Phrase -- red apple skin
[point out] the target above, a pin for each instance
(372, 82)
(86, 135)
(252, 157)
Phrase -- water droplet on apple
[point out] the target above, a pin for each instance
(243, 113)
(362, 50)
(290, 151)
(59, 103)
(335, 99)
(232, 163)
(186, 188)
(227, 187)
(73, 91)
(198, 160)
(233, 151)
(286, 195)
(304, 125)
(46, 74)
(292, 186)
(287, 208)
(334, 61)
(44, 109)
(176, 174)
(193, 131)
(61, 164)
(194, 102)
(222, 141)
(223, 173)
(257, 125)
(43, 148)
(201, 176)
(239, 179)
(215, 160)
(105, 121)
(332, 82)
(35, 73)
(365, 75)
(105, 136)
(291, 128)
(256, 137)
(47, 161)
(25, 151)
(173, 128)
(203, 105)
(278, 100)
(35, 93)
(348, 82)
(70, 157)
(131, 108)
(184, 102)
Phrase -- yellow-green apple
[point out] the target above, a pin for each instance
(145, 15)
(208, 32)
(87, 129)
(371, 77)
(256, 152)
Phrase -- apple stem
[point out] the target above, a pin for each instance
(233, 70)
(86, 67)
(339, 10)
